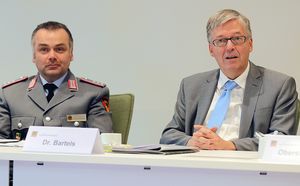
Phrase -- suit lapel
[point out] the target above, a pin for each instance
(206, 94)
(252, 91)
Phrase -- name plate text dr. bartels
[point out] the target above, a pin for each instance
(63, 140)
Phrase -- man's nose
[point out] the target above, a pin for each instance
(229, 45)
(52, 55)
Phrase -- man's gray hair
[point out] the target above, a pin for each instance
(224, 16)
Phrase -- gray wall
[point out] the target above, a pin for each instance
(146, 46)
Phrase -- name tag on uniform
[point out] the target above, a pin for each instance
(76, 117)
(63, 140)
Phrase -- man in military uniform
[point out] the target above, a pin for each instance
(53, 97)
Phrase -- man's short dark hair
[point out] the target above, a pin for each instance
(53, 25)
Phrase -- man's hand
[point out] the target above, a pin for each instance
(205, 138)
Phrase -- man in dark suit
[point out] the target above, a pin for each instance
(261, 100)
(53, 97)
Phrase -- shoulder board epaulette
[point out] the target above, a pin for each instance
(98, 84)
(14, 82)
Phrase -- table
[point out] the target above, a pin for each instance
(205, 167)
(4, 172)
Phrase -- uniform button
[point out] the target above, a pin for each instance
(48, 118)
(20, 125)
(76, 123)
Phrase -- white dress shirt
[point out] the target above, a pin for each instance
(58, 82)
(230, 127)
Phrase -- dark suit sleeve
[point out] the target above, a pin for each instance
(280, 115)
(175, 131)
(98, 116)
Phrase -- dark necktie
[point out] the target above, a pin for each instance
(219, 113)
(50, 88)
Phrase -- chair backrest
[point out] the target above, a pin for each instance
(121, 106)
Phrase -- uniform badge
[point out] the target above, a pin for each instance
(76, 117)
(105, 104)
(18, 136)
(32, 83)
(72, 84)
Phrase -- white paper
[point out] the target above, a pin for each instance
(16, 143)
(8, 140)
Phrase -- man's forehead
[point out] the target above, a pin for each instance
(48, 34)
(228, 34)
(53, 37)
(58, 30)
(47, 44)
(232, 27)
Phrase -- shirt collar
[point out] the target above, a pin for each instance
(241, 80)
(57, 82)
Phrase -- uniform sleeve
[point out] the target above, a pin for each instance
(5, 121)
(99, 115)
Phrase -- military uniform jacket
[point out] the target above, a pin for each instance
(23, 103)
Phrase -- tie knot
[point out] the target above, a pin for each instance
(229, 85)
(50, 87)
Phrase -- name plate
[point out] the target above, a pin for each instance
(279, 148)
(63, 140)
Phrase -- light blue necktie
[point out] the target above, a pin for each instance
(218, 114)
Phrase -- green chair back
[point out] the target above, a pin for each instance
(121, 106)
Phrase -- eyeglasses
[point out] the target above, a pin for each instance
(237, 40)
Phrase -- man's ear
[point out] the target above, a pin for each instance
(72, 57)
(210, 48)
(251, 44)
(33, 57)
